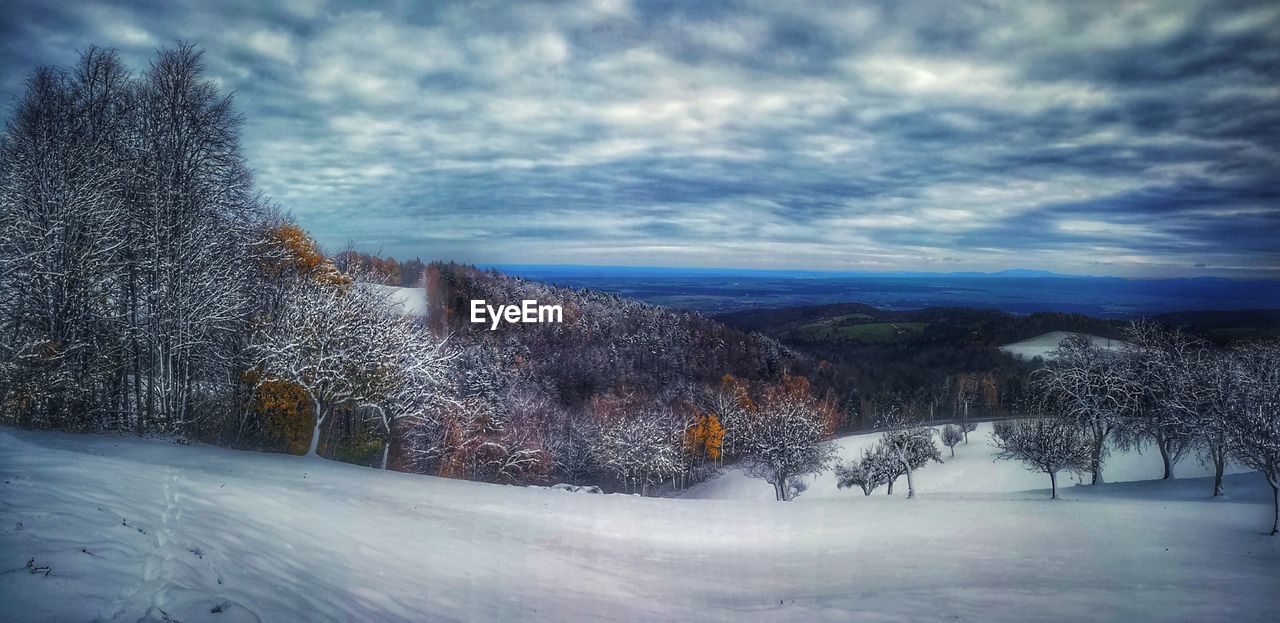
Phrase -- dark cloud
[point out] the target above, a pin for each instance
(893, 135)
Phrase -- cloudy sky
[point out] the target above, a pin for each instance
(1138, 139)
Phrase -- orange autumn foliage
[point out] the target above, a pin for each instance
(286, 412)
(705, 437)
(294, 252)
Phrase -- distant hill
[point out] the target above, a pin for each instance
(836, 323)
(1016, 290)
(1226, 326)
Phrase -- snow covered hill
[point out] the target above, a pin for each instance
(132, 529)
(973, 470)
(1044, 345)
(410, 301)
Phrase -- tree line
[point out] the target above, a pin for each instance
(1161, 388)
(128, 232)
(619, 394)
(146, 286)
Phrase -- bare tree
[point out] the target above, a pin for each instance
(1046, 444)
(1088, 385)
(414, 384)
(1253, 421)
(952, 435)
(866, 473)
(1159, 362)
(908, 442)
(193, 218)
(63, 171)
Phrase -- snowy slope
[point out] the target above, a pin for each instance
(1044, 345)
(973, 470)
(411, 301)
(136, 528)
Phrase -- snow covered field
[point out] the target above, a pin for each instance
(973, 470)
(143, 530)
(1043, 345)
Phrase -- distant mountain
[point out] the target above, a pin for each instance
(651, 271)
(1028, 273)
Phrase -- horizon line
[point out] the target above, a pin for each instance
(1033, 273)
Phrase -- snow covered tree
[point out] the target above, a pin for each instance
(952, 435)
(785, 436)
(1159, 365)
(348, 347)
(414, 379)
(1200, 386)
(126, 213)
(64, 168)
(642, 448)
(907, 443)
(191, 227)
(730, 404)
(1088, 385)
(866, 473)
(1049, 445)
(1252, 423)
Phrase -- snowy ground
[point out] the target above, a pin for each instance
(973, 470)
(410, 301)
(132, 528)
(1044, 345)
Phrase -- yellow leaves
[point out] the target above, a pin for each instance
(706, 436)
(286, 413)
(297, 253)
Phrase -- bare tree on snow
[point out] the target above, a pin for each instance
(1049, 445)
(1253, 422)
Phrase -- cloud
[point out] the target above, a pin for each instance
(907, 135)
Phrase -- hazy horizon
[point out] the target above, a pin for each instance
(1026, 272)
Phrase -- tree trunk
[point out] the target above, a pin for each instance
(780, 487)
(1163, 444)
(891, 486)
(1275, 500)
(386, 446)
(911, 485)
(315, 433)
(1053, 485)
(1099, 440)
(1219, 462)
(953, 452)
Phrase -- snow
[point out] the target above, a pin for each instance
(136, 529)
(973, 470)
(411, 301)
(1044, 345)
